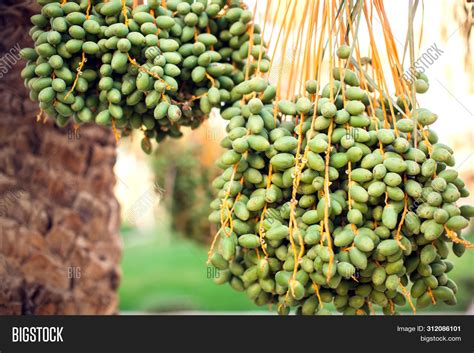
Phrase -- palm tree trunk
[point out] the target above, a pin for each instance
(59, 220)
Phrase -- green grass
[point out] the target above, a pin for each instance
(164, 272)
(165, 276)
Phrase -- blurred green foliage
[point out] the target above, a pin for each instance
(187, 185)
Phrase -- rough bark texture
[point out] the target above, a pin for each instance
(59, 220)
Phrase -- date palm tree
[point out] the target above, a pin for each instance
(59, 220)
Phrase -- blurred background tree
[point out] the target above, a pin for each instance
(184, 170)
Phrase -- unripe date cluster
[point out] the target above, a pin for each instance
(154, 68)
(391, 203)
